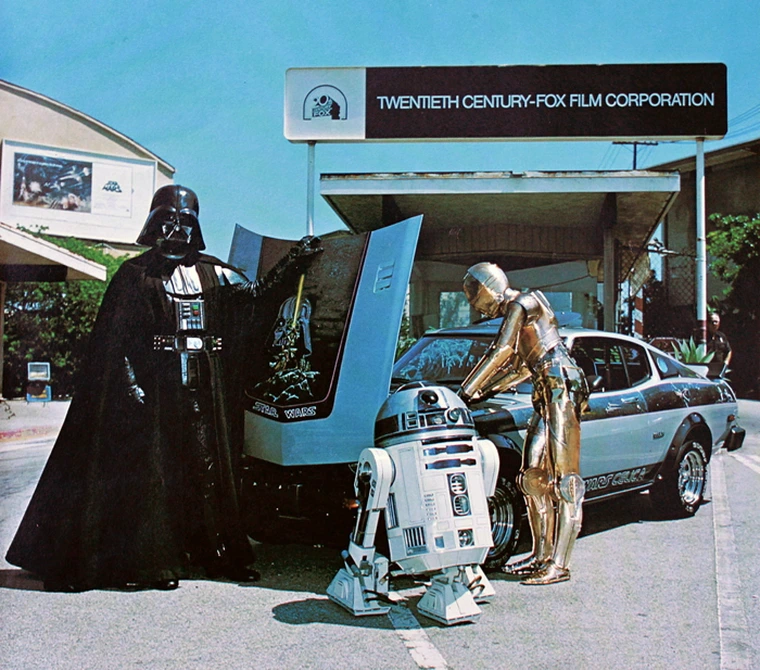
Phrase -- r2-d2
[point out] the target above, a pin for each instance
(431, 475)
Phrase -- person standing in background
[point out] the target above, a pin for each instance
(718, 344)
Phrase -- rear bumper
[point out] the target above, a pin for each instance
(735, 438)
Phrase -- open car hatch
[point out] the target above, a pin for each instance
(324, 344)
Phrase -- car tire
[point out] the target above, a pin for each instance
(507, 507)
(680, 493)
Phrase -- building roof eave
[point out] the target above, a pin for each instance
(720, 156)
(22, 252)
(90, 121)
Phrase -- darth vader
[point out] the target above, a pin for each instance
(141, 487)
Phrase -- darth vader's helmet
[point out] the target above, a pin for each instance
(172, 225)
(486, 287)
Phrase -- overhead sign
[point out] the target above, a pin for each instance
(517, 102)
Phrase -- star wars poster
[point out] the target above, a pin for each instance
(65, 192)
(302, 327)
(52, 183)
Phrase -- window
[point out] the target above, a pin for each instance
(590, 355)
(454, 309)
(636, 363)
(669, 367)
(440, 359)
(619, 364)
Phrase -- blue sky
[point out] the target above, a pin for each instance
(201, 84)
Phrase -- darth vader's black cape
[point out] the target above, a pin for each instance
(117, 500)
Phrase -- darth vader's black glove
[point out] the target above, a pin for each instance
(134, 392)
(295, 262)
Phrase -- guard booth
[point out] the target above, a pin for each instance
(38, 382)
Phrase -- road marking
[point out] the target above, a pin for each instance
(747, 460)
(732, 619)
(416, 640)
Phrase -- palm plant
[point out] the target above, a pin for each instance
(691, 353)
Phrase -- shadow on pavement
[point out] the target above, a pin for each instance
(628, 509)
(322, 611)
(20, 580)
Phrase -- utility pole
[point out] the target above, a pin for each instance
(635, 148)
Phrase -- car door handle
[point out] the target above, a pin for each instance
(613, 407)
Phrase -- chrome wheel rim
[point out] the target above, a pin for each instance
(691, 477)
(502, 518)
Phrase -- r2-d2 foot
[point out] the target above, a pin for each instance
(361, 588)
(453, 598)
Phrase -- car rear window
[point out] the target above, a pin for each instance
(669, 367)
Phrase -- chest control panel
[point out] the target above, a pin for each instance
(191, 314)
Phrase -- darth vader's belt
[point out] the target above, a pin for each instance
(186, 343)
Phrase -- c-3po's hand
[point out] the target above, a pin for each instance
(468, 398)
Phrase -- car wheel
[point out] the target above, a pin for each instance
(507, 508)
(681, 492)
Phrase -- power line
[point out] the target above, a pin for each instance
(636, 145)
(748, 114)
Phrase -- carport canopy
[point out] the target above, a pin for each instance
(24, 257)
(516, 219)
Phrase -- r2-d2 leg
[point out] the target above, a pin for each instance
(455, 592)
(364, 578)
(478, 584)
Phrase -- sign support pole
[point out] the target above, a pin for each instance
(701, 269)
(310, 188)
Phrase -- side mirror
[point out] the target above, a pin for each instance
(594, 382)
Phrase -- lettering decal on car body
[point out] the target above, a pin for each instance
(616, 479)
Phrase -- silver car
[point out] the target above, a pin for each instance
(651, 423)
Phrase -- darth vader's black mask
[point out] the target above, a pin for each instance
(172, 225)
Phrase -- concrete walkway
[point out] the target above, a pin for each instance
(21, 421)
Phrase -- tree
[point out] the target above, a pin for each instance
(51, 321)
(735, 247)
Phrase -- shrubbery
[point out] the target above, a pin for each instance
(51, 321)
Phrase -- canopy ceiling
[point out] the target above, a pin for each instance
(523, 219)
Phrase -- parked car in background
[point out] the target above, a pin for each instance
(651, 423)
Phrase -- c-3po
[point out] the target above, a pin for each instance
(529, 345)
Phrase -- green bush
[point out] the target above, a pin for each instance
(51, 321)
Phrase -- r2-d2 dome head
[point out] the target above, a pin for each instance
(418, 410)
(486, 287)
